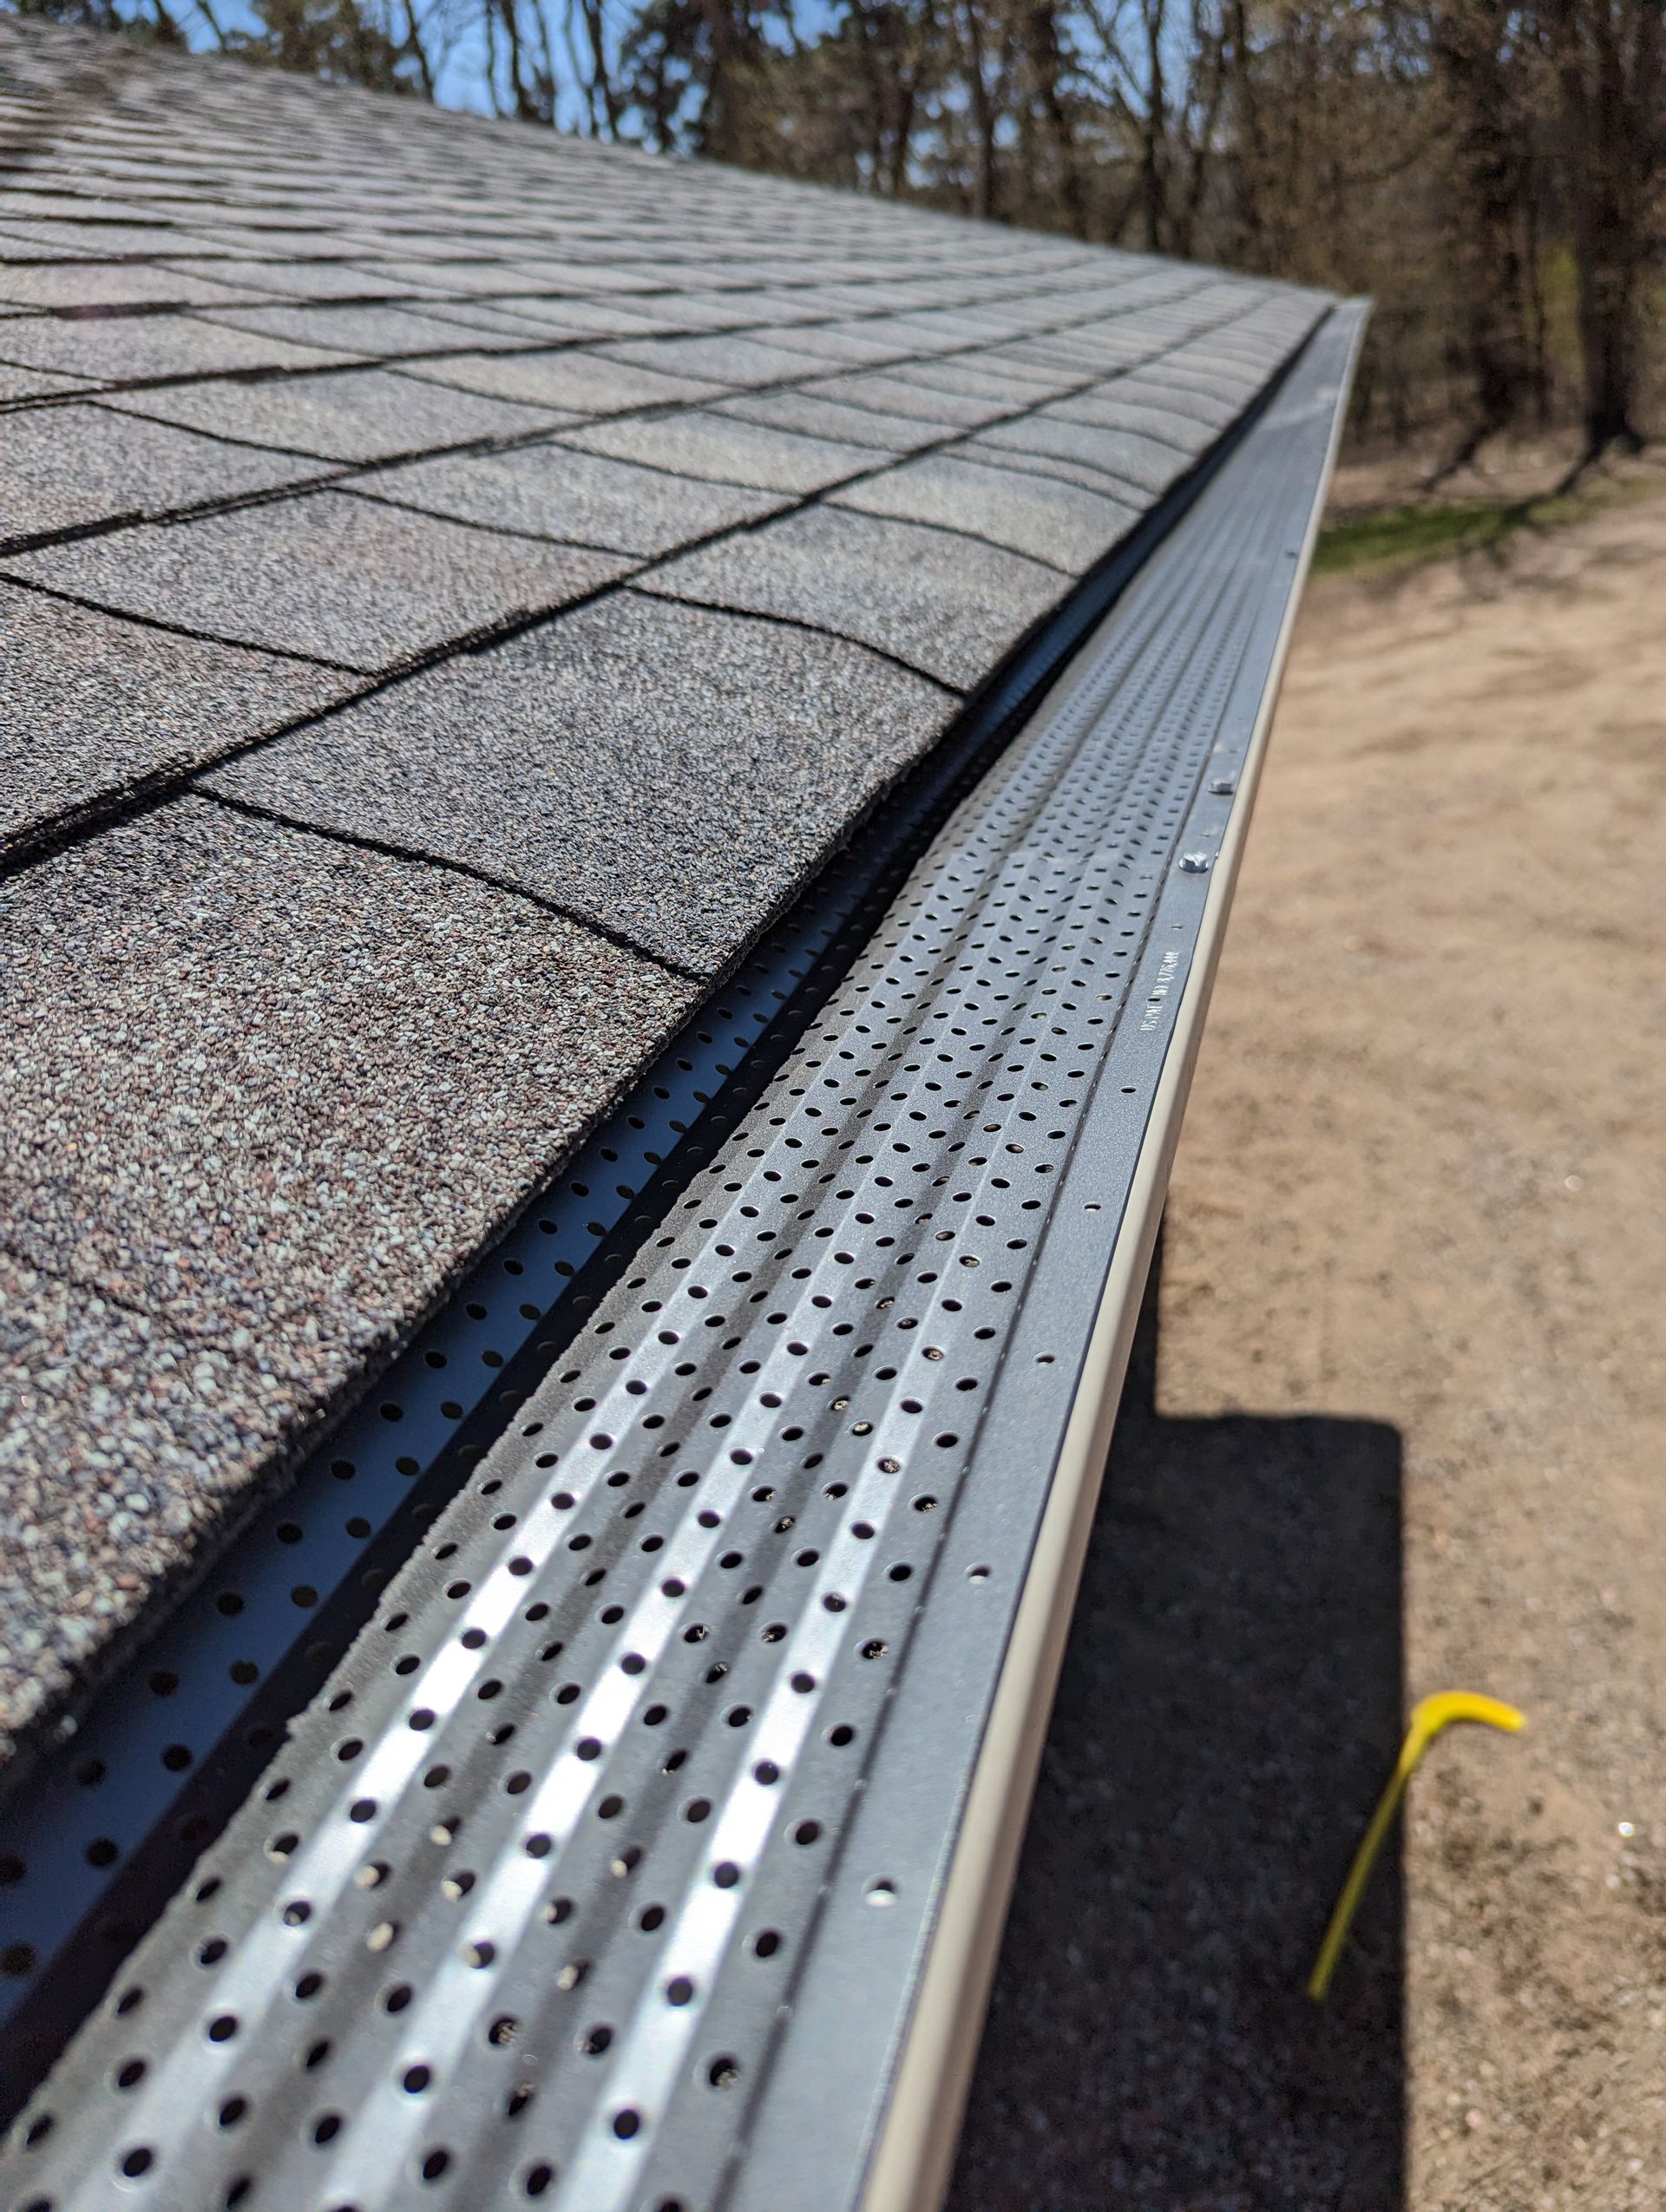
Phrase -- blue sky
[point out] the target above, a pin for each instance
(462, 76)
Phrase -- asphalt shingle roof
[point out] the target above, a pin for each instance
(952, 609)
(375, 415)
(72, 468)
(268, 1091)
(555, 491)
(92, 707)
(353, 581)
(456, 584)
(579, 764)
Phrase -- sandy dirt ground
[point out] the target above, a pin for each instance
(1409, 1435)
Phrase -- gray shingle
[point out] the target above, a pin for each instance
(827, 345)
(90, 705)
(119, 1441)
(976, 379)
(32, 239)
(563, 318)
(374, 331)
(724, 449)
(1159, 386)
(273, 1090)
(723, 360)
(326, 1013)
(112, 284)
(548, 274)
(311, 281)
(856, 298)
(1184, 372)
(1038, 516)
(460, 279)
(826, 418)
(896, 395)
(1062, 471)
(33, 384)
(102, 210)
(550, 491)
(209, 229)
(948, 330)
(65, 466)
(1123, 454)
(576, 382)
(1051, 366)
(499, 325)
(1100, 411)
(690, 314)
(916, 335)
(372, 415)
(350, 581)
(122, 349)
(669, 773)
(948, 605)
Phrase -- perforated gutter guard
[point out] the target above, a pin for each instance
(649, 1847)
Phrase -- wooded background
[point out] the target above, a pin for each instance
(1491, 173)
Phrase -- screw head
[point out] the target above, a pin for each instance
(1222, 787)
(1194, 863)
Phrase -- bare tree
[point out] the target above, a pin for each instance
(1607, 54)
(1474, 46)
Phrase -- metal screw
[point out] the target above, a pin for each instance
(1194, 863)
(1222, 787)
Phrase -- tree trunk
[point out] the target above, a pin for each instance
(1471, 50)
(1154, 149)
(983, 114)
(1609, 104)
(1047, 60)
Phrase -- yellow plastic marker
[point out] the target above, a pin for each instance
(1429, 1717)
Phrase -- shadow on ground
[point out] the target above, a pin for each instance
(1230, 1707)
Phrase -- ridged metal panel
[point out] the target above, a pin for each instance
(554, 1897)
